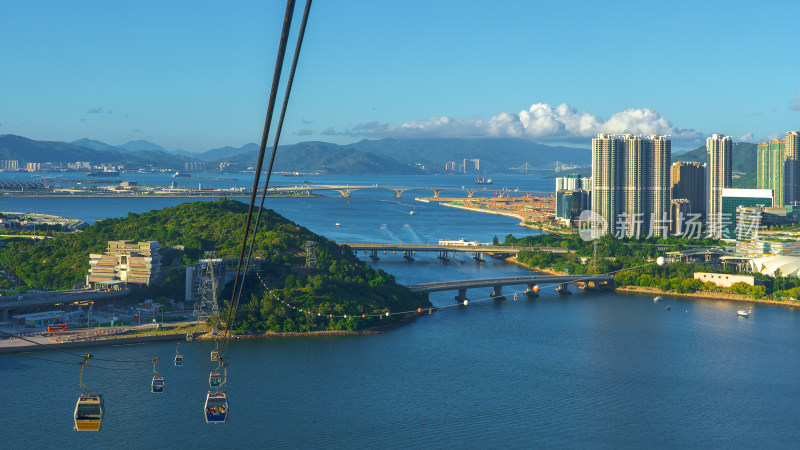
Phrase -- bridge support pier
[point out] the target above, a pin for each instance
(478, 256)
(530, 292)
(436, 192)
(398, 193)
(462, 295)
(443, 256)
(374, 255)
(408, 255)
(497, 293)
(346, 193)
(4, 315)
(563, 289)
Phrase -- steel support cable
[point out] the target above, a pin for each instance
(235, 305)
(287, 22)
(24, 355)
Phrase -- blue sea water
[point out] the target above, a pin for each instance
(589, 370)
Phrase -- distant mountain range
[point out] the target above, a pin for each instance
(744, 156)
(385, 156)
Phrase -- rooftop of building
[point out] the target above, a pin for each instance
(747, 193)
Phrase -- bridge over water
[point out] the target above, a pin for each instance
(477, 251)
(592, 282)
(40, 300)
(346, 190)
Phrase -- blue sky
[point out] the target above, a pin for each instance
(195, 75)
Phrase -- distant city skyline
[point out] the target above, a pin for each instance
(195, 76)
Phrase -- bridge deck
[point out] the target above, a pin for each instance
(434, 247)
(507, 281)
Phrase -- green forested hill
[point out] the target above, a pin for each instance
(341, 284)
(744, 156)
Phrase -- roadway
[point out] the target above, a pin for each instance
(530, 281)
(346, 190)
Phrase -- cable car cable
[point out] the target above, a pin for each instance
(71, 353)
(271, 164)
(287, 21)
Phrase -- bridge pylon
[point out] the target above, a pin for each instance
(478, 256)
(497, 293)
(462, 295)
(443, 256)
(563, 289)
(530, 292)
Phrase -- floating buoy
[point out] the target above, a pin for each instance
(466, 302)
(515, 296)
(419, 310)
(536, 289)
(363, 316)
(387, 313)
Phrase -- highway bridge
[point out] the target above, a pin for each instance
(592, 282)
(478, 251)
(43, 300)
(346, 190)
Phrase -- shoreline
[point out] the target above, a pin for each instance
(705, 295)
(519, 217)
(198, 336)
(647, 290)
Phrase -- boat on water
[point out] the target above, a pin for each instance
(743, 313)
(338, 224)
(483, 180)
(657, 299)
(291, 174)
(181, 175)
(411, 213)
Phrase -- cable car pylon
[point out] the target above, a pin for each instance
(89, 408)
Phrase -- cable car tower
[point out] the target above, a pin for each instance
(311, 254)
(208, 304)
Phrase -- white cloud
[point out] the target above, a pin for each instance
(541, 121)
(749, 137)
(796, 102)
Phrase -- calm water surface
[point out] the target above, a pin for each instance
(586, 370)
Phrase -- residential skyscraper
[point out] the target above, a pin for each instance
(778, 168)
(661, 154)
(630, 183)
(791, 149)
(689, 182)
(607, 178)
(720, 171)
